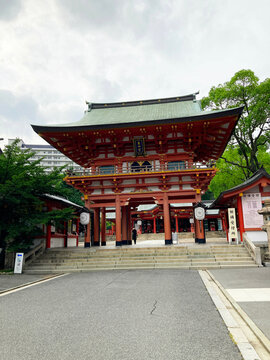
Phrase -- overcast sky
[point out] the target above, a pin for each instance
(56, 54)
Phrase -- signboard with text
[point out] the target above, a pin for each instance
(18, 263)
(232, 223)
(251, 203)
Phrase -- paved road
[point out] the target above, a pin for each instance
(250, 288)
(159, 314)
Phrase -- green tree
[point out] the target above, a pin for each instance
(229, 174)
(252, 133)
(22, 184)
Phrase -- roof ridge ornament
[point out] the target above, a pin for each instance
(89, 104)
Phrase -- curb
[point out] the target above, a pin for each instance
(30, 283)
(235, 331)
(253, 327)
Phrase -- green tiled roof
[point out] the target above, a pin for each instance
(131, 114)
(136, 112)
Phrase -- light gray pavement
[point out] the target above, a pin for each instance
(9, 281)
(251, 286)
(154, 314)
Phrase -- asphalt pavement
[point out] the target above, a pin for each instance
(152, 314)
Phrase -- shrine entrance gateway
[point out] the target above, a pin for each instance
(160, 151)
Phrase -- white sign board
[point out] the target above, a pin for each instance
(18, 263)
(232, 223)
(251, 203)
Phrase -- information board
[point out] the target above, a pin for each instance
(232, 223)
(251, 203)
(18, 263)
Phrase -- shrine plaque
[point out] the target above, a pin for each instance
(251, 203)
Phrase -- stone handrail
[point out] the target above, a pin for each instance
(254, 251)
(34, 253)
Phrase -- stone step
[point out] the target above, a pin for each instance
(144, 267)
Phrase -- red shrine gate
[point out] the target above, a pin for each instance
(143, 152)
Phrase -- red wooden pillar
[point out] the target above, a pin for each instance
(48, 232)
(176, 224)
(155, 224)
(77, 231)
(113, 228)
(129, 227)
(103, 226)
(124, 226)
(167, 220)
(96, 227)
(240, 216)
(87, 239)
(48, 236)
(65, 233)
(118, 221)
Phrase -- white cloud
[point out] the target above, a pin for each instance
(59, 53)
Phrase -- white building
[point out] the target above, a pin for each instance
(50, 157)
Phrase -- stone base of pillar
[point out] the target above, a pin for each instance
(103, 243)
(87, 245)
(168, 242)
(129, 242)
(200, 241)
(96, 243)
(118, 243)
(124, 242)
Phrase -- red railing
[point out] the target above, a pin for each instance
(115, 170)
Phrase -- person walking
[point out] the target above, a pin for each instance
(134, 235)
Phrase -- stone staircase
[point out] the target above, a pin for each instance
(169, 257)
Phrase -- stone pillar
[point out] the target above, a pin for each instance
(118, 221)
(103, 226)
(167, 220)
(96, 227)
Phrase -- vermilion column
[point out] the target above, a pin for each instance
(240, 217)
(48, 236)
(65, 233)
(118, 221)
(155, 225)
(96, 227)
(77, 231)
(87, 239)
(167, 220)
(124, 226)
(103, 226)
(129, 227)
(176, 224)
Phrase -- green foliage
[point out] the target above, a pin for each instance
(22, 184)
(252, 132)
(230, 175)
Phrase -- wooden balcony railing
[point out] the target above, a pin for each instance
(116, 170)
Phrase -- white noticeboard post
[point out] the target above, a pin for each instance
(251, 203)
(18, 263)
(232, 225)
